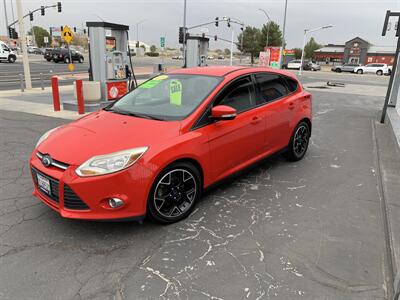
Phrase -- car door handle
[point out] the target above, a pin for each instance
(255, 120)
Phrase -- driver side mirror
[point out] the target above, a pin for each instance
(223, 112)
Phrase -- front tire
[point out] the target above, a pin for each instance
(67, 60)
(338, 71)
(379, 72)
(298, 144)
(11, 59)
(360, 71)
(174, 193)
(80, 60)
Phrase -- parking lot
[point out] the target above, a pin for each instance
(305, 230)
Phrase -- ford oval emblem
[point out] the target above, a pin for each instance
(46, 160)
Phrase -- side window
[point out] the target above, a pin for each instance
(291, 84)
(271, 87)
(239, 95)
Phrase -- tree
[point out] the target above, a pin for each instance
(153, 49)
(310, 47)
(251, 46)
(227, 52)
(39, 34)
(274, 34)
(297, 53)
(80, 39)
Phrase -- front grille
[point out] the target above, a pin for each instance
(72, 201)
(55, 163)
(54, 194)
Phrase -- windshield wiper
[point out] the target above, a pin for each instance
(132, 114)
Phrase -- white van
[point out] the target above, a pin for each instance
(6, 54)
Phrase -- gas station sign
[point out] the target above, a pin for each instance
(116, 89)
(273, 53)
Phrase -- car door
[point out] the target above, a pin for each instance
(3, 54)
(370, 68)
(277, 93)
(234, 142)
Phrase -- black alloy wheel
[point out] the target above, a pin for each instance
(174, 193)
(299, 141)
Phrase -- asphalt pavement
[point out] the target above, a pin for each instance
(305, 230)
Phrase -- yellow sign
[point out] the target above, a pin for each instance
(71, 67)
(67, 34)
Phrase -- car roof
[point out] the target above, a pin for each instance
(229, 70)
(212, 71)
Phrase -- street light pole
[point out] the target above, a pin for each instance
(184, 34)
(25, 59)
(268, 24)
(5, 14)
(283, 35)
(306, 31)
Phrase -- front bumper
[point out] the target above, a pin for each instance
(87, 198)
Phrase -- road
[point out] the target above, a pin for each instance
(305, 230)
(9, 73)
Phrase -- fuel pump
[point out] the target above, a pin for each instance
(110, 63)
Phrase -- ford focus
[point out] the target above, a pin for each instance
(153, 152)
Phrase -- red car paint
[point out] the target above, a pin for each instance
(218, 149)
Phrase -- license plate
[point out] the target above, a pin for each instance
(44, 184)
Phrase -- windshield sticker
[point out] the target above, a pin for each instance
(153, 82)
(175, 92)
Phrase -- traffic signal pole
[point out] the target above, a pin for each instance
(5, 14)
(25, 59)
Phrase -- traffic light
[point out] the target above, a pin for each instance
(215, 38)
(216, 21)
(62, 28)
(12, 34)
(42, 10)
(181, 33)
(59, 7)
(74, 29)
(84, 31)
(229, 22)
(31, 16)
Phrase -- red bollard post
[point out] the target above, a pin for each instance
(79, 96)
(56, 93)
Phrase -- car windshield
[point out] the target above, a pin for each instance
(167, 97)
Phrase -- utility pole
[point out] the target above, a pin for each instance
(283, 35)
(184, 34)
(5, 14)
(25, 59)
(232, 36)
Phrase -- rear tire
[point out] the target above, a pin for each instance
(379, 72)
(360, 71)
(67, 60)
(299, 141)
(174, 193)
(11, 59)
(80, 60)
(338, 71)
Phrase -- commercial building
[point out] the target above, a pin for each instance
(356, 50)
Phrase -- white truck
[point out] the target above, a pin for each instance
(6, 54)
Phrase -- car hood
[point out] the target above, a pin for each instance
(105, 132)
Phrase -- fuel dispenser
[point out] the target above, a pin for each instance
(110, 64)
(196, 51)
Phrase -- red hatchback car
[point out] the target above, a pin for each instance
(155, 150)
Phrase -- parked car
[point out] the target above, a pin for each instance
(345, 68)
(62, 54)
(6, 54)
(34, 50)
(311, 66)
(378, 69)
(48, 54)
(144, 154)
(294, 64)
(221, 57)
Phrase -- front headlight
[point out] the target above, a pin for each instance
(45, 136)
(110, 163)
